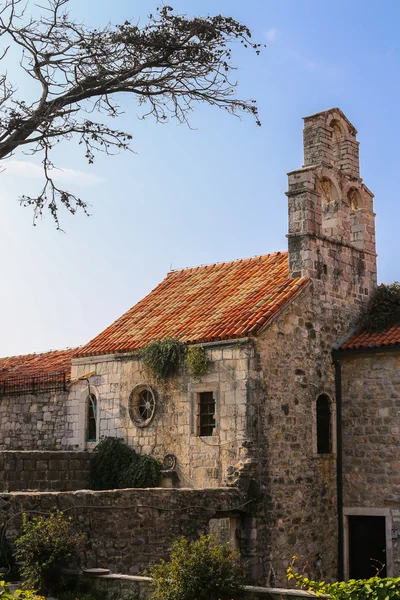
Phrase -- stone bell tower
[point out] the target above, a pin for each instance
(331, 219)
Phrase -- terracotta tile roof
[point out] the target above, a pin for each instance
(365, 339)
(215, 302)
(34, 365)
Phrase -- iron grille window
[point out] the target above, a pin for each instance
(206, 413)
(323, 425)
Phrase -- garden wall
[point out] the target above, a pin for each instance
(43, 470)
(126, 530)
(125, 587)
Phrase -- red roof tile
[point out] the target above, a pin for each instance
(366, 339)
(33, 365)
(215, 302)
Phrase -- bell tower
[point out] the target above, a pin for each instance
(331, 219)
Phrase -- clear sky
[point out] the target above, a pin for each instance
(215, 193)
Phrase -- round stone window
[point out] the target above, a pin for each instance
(142, 405)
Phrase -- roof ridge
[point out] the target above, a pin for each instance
(39, 353)
(227, 262)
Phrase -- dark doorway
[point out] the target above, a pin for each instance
(367, 547)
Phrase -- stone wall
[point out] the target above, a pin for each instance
(126, 530)
(131, 587)
(44, 470)
(202, 461)
(371, 427)
(297, 512)
(35, 422)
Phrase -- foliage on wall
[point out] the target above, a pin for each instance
(163, 358)
(47, 545)
(375, 588)
(383, 309)
(201, 569)
(197, 361)
(115, 465)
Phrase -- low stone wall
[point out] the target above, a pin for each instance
(128, 587)
(127, 530)
(43, 470)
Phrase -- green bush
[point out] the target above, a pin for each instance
(110, 459)
(145, 472)
(197, 361)
(383, 309)
(6, 594)
(199, 570)
(115, 466)
(163, 358)
(375, 588)
(46, 546)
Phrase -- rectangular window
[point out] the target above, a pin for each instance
(206, 413)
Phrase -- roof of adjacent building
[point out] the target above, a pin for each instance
(35, 365)
(203, 304)
(367, 339)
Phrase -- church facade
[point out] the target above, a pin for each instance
(296, 408)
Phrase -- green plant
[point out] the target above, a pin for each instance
(375, 588)
(383, 309)
(115, 465)
(110, 459)
(46, 546)
(78, 595)
(198, 570)
(162, 358)
(142, 473)
(6, 594)
(197, 361)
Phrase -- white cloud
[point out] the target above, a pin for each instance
(24, 168)
(306, 62)
(272, 34)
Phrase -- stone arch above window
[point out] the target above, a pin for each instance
(324, 424)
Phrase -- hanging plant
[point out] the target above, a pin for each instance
(197, 361)
(383, 309)
(163, 358)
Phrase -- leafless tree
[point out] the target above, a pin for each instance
(168, 65)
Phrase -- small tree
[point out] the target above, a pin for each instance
(199, 570)
(167, 66)
(46, 546)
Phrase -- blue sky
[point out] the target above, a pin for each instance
(190, 197)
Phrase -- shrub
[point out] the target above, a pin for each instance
(383, 309)
(6, 594)
(375, 588)
(145, 472)
(199, 570)
(115, 465)
(162, 358)
(197, 361)
(46, 546)
(110, 459)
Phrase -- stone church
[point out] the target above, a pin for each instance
(298, 410)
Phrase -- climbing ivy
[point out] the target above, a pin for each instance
(375, 588)
(383, 309)
(197, 361)
(115, 466)
(163, 358)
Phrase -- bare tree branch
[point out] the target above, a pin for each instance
(168, 66)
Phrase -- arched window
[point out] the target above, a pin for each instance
(324, 433)
(91, 427)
